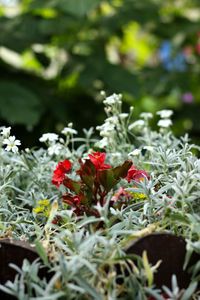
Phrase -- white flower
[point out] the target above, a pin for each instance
(109, 100)
(137, 123)
(6, 131)
(102, 143)
(106, 133)
(116, 155)
(115, 98)
(165, 123)
(165, 113)
(103, 93)
(135, 152)
(112, 120)
(123, 116)
(12, 144)
(69, 130)
(51, 137)
(106, 128)
(54, 149)
(146, 115)
(149, 148)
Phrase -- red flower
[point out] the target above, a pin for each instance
(76, 199)
(97, 159)
(135, 174)
(62, 168)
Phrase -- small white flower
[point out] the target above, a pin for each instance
(70, 125)
(146, 115)
(137, 123)
(54, 149)
(105, 133)
(106, 128)
(135, 152)
(149, 148)
(103, 93)
(115, 98)
(12, 144)
(51, 137)
(165, 113)
(102, 143)
(109, 100)
(165, 123)
(69, 130)
(123, 116)
(112, 120)
(6, 131)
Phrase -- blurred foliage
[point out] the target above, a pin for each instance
(56, 56)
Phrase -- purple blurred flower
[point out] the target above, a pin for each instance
(187, 97)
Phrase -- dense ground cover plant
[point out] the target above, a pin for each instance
(76, 48)
(81, 200)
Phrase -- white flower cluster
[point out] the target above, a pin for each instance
(10, 141)
(68, 130)
(107, 128)
(146, 115)
(165, 115)
(50, 139)
(114, 98)
(115, 125)
(138, 123)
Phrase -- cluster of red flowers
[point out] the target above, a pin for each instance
(62, 168)
(97, 179)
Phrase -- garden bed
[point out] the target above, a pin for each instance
(110, 218)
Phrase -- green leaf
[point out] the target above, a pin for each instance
(121, 171)
(88, 180)
(74, 186)
(42, 253)
(147, 268)
(189, 292)
(87, 173)
(178, 217)
(120, 79)
(107, 179)
(42, 4)
(77, 7)
(110, 177)
(20, 32)
(88, 288)
(153, 293)
(18, 105)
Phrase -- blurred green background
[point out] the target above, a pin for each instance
(57, 55)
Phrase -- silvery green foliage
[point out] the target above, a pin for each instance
(85, 259)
